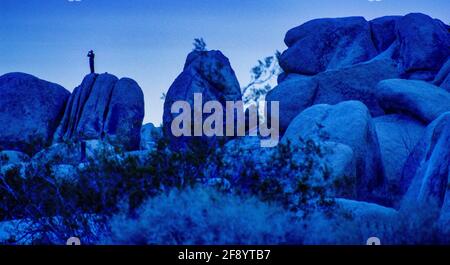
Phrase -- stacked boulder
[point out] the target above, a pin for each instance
(380, 89)
(106, 108)
(373, 86)
(208, 73)
(333, 60)
(44, 124)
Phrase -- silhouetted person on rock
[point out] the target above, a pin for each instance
(91, 56)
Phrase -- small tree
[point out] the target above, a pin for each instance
(261, 77)
(199, 45)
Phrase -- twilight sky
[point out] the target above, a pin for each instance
(148, 40)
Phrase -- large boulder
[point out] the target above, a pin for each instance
(208, 73)
(92, 120)
(30, 110)
(419, 43)
(329, 43)
(424, 45)
(418, 99)
(357, 82)
(348, 123)
(294, 94)
(125, 114)
(427, 171)
(397, 135)
(104, 107)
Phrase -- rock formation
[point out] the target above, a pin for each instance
(205, 72)
(104, 107)
(30, 110)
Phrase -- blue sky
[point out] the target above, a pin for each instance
(148, 40)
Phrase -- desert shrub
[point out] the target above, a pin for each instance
(295, 178)
(204, 216)
(55, 208)
(199, 45)
(411, 225)
(48, 209)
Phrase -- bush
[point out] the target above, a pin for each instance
(296, 176)
(56, 208)
(204, 216)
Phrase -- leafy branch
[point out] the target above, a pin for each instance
(261, 76)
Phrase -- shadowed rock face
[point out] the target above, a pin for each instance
(205, 72)
(30, 110)
(383, 31)
(104, 107)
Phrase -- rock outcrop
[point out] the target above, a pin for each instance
(324, 44)
(208, 73)
(347, 123)
(30, 110)
(357, 82)
(419, 44)
(104, 107)
(333, 60)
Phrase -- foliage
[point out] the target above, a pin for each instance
(199, 45)
(204, 216)
(56, 207)
(262, 76)
(224, 193)
(296, 176)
